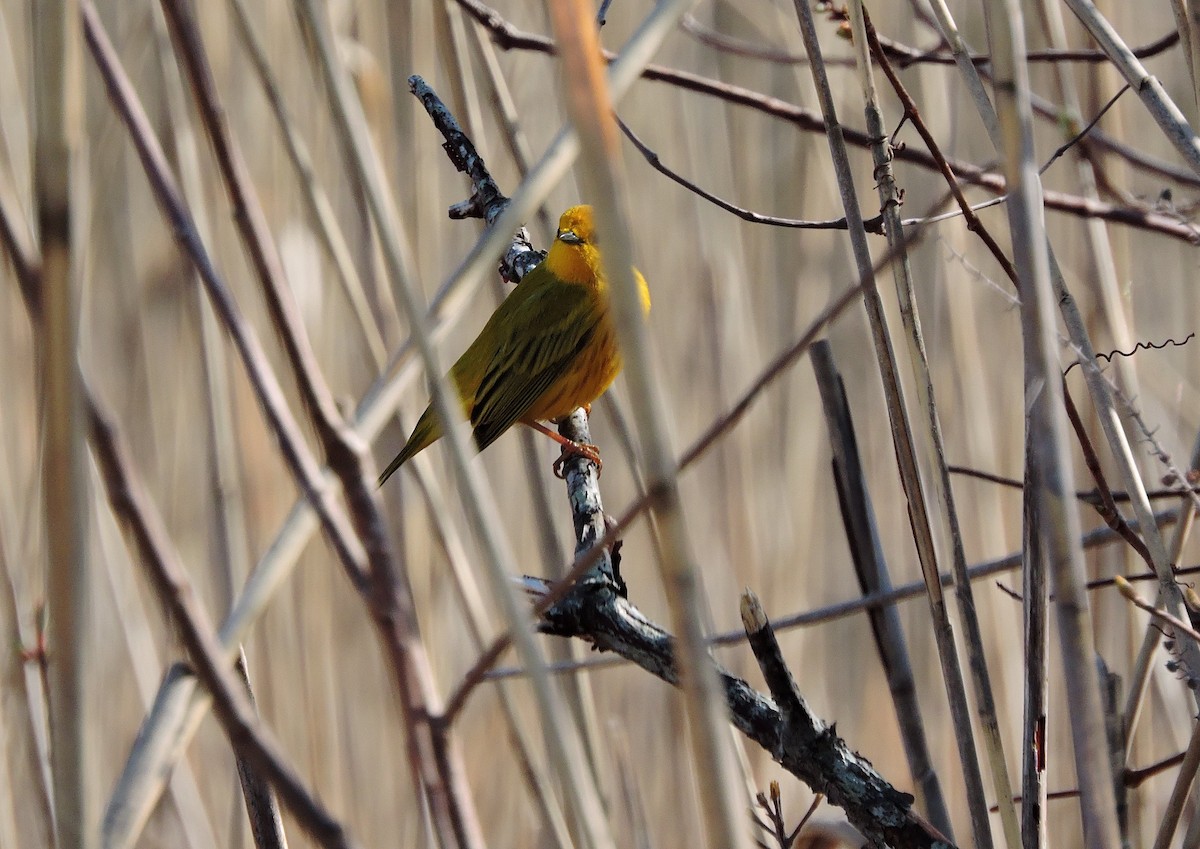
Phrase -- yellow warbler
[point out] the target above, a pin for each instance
(549, 348)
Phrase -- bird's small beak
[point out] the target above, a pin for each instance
(569, 237)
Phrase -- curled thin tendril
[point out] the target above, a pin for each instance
(1140, 346)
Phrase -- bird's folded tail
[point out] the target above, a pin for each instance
(427, 432)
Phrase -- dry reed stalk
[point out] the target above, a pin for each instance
(226, 476)
(1179, 792)
(1139, 677)
(262, 804)
(1103, 399)
(320, 209)
(590, 107)
(131, 503)
(385, 595)
(24, 816)
(903, 442)
(60, 196)
(433, 757)
(1162, 109)
(481, 508)
(858, 516)
(1057, 519)
(933, 445)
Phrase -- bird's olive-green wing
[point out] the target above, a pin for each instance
(548, 331)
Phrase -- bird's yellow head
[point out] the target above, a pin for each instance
(574, 256)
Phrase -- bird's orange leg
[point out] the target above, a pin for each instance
(570, 448)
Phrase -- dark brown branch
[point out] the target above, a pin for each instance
(343, 450)
(508, 37)
(1089, 496)
(262, 804)
(797, 739)
(1107, 508)
(872, 225)
(1078, 137)
(871, 569)
(905, 55)
(284, 426)
(372, 571)
(169, 578)
(913, 114)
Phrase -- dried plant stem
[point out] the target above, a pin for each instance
(858, 517)
(286, 428)
(1099, 245)
(233, 559)
(340, 444)
(25, 751)
(930, 434)
(506, 114)
(1139, 676)
(170, 579)
(132, 505)
(479, 626)
(60, 198)
(262, 805)
(1178, 625)
(324, 220)
(967, 69)
(902, 439)
(1102, 398)
(1160, 106)
(1057, 518)
(1179, 793)
(179, 708)
(509, 37)
(392, 612)
(562, 743)
(1190, 38)
(1035, 626)
(590, 107)
(229, 562)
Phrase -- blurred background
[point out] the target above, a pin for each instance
(729, 295)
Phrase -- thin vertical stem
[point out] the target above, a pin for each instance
(902, 440)
(1056, 515)
(929, 431)
(1035, 591)
(590, 106)
(858, 516)
(60, 191)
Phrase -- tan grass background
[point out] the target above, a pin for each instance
(728, 295)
